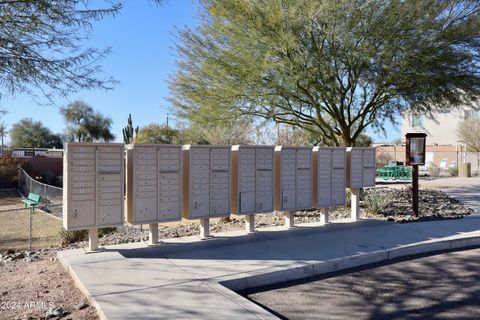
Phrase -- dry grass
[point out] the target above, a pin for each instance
(10, 197)
(14, 229)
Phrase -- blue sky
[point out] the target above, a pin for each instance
(142, 40)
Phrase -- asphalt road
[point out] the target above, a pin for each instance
(445, 286)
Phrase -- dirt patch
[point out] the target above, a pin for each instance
(30, 288)
(10, 198)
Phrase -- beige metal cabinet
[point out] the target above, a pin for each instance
(93, 179)
(206, 181)
(360, 167)
(329, 172)
(153, 183)
(252, 179)
(293, 178)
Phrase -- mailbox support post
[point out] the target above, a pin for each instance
(249, 223)
(204, 228)
(324, 215)
(415, 156)
(289, 219)
(355, 203)
(92, 239)
(153, 234)
(415, 190)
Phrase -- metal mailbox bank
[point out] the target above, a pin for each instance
(206, 183)
(330, 177)
(360, 167)
(153, 183)
(360, 174)
(93, 179)
(293, 180)
(252, 181)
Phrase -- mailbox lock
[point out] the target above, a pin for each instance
(195, 205)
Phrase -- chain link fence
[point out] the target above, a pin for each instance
(52, 196)
(28, 229)
(24, 228)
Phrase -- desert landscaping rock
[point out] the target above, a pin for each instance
(433, 205)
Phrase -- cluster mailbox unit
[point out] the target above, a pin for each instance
(93, 176)
(360, 174)
(360, 167)
(252, 181)
(206, 183)
(153, 183)
(167, 182)
(329, 165)
(294, 181)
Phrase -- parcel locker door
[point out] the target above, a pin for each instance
(247, 202)
(199, 206)
(81, 214)
(288, 199)
(169, 211)
(109, 215)
(145, 209)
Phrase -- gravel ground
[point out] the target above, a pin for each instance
(35, 285)
(444, 286)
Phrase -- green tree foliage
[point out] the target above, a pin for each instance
(156, 133)
(41, 46)
(469, 131)
(28, 133)
(332, 67)
(3, 126)
(86, 125)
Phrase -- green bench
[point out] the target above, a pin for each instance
(32, 200)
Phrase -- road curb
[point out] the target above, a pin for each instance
(298, 271)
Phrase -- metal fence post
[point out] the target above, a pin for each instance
(30, 229)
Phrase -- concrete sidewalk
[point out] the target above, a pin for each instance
(190, 279)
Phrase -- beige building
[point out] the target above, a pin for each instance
(440, 129)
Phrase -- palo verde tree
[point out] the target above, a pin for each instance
(333, 67)
(86, 125)
(41, 46)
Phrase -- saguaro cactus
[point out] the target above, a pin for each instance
(128, 131)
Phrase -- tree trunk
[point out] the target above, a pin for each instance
(347, 139)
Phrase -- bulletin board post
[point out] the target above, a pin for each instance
(415, 156)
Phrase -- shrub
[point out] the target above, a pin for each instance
(433, 170)
(453, 171)
(8, 171)
(73, 236)
(348, 198)
(105, 231)
(375, 203)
